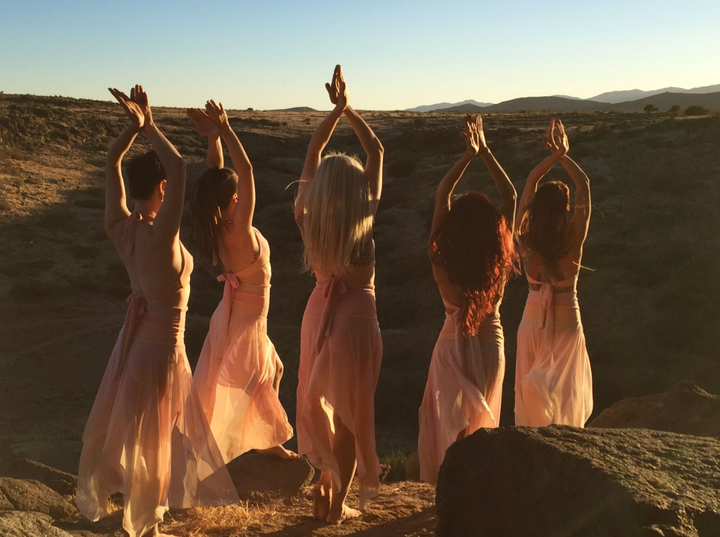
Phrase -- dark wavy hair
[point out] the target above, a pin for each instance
(544, 226)
(144, 172)
(475, 247)
(211, 195)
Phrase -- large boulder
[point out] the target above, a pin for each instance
(24, 524)
(685, 408)
(573, 482)
(254, 472)
(31, 495)
(59, 481)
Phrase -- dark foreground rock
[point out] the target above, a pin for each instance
(24, 524)
(254, 472)
(685, 408)
(59, 481)
(572, 482)
(30, 495)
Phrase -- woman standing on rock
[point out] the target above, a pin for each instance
(238, 373)
(553, 382)
(472, 255)
(147, 436)
(341, 348)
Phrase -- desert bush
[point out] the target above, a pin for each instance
(650, 108)
(396, 461)
(420, 123)
(675, 109)
(696, 110)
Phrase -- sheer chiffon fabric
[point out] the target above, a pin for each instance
(340, 357)
(553, 382)
(237, 366)
(147, 436)
(463, 390)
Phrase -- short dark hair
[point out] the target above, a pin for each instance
(144, 173)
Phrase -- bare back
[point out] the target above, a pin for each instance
(152, 265)
(238, 251)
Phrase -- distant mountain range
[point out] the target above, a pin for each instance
(628, 100)
(444, 106)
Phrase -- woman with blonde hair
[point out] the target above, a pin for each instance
(553, 381)
(472, 256)
(146, 436)
(238, 373)
(341, 348)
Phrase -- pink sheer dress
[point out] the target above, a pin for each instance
(553, 380)
(464, 387)
(237, 366)
(147, 436)
(340, 356)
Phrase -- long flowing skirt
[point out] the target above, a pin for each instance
(463, 391)
(340, 379)
(553, 381)
(234, 380)
(147, 437)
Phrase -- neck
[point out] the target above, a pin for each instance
(146, 208)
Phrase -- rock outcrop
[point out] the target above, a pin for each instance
(685, 408)
(24, 524)
(579, 482)
(59, 481)
(254, 472)
(31, 495)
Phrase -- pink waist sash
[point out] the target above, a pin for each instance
(334, 298)
(165, 326)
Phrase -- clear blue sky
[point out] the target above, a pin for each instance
(396, 54)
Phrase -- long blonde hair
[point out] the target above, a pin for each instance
(337, 216)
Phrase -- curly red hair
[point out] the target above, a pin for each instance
(475, 247)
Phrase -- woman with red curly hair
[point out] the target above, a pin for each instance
(472, 255)
(553, 380)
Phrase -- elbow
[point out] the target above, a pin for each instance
(176, 166)
(377, 146)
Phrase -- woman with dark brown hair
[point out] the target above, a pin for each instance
(553, 381)
(472, 255)
(238, 373)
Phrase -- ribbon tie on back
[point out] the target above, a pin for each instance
(333, 289)
(136, 304)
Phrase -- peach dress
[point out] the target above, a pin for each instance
(464, 387)
(147, 436)
(340, 356)
(236, 369)
(553, 381)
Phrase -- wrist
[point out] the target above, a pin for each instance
(484, 151)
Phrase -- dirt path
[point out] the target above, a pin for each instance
(402, 509)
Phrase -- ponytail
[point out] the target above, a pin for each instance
(211, 195)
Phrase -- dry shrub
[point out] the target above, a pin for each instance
(229, 520)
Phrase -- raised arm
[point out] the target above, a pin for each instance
(505, 188)
(243, 213)
(204, 126)
(115, 199)
(320, 139)
(373, 149)
(167, 222)
(539, 172)
(474, 140)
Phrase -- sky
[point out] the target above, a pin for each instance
(273, 54)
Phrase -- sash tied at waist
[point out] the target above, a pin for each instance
(136, 303)
(333, 289)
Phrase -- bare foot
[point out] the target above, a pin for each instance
(346, 514)
(280, 452)
(321, 496)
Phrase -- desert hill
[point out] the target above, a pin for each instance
(648, 298)
(614, 97)
(664, 101)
